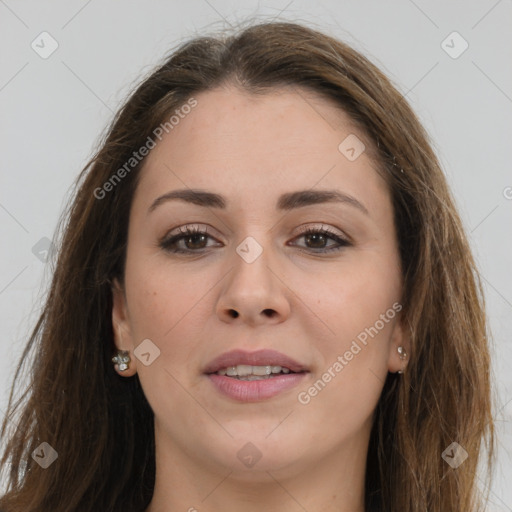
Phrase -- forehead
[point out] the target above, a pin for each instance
(229, 115)
(254, 146)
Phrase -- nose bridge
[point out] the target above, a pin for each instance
(252, 288)
(251, 261)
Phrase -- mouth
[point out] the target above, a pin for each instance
(254, 376)
(249, 372)
(241, 363)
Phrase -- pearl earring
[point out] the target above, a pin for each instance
(403, 355)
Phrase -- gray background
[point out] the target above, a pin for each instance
(54, 109)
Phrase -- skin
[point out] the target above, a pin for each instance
(251, 149)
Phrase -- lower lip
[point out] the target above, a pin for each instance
(255, 390)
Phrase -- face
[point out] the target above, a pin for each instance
(314, 278)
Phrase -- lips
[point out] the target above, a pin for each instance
(264, 357)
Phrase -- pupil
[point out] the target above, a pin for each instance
(195, 237)
(318, 237)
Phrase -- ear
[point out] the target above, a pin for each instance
(121, 325)
(400, 337)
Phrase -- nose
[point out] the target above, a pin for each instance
(253, 293)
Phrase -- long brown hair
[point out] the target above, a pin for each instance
(101, 425)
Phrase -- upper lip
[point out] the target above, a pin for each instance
(257, 358)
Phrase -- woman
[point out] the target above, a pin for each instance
(264, 299)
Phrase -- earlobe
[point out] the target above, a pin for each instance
(399, 348)
(403, 358)
(122, 333)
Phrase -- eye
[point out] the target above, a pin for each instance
(318, 238)
(194, 240)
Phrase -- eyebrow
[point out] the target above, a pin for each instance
(286, 202)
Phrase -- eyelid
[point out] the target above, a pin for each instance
(206, 229)
(190, 229)
(322, 227)
(186, 228)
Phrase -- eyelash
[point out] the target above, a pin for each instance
(167, 243)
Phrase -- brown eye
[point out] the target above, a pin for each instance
(191, 240)
(317, 240)
(195, 240)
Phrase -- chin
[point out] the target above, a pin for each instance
(250, 454)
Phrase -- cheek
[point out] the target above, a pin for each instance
(162, 294)
(359, 304)
(354, 299)
(353, 359)
(360, 307)
(164, 309)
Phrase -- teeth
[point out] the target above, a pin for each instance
(248, 372)
(242, 370)
(255, 377)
